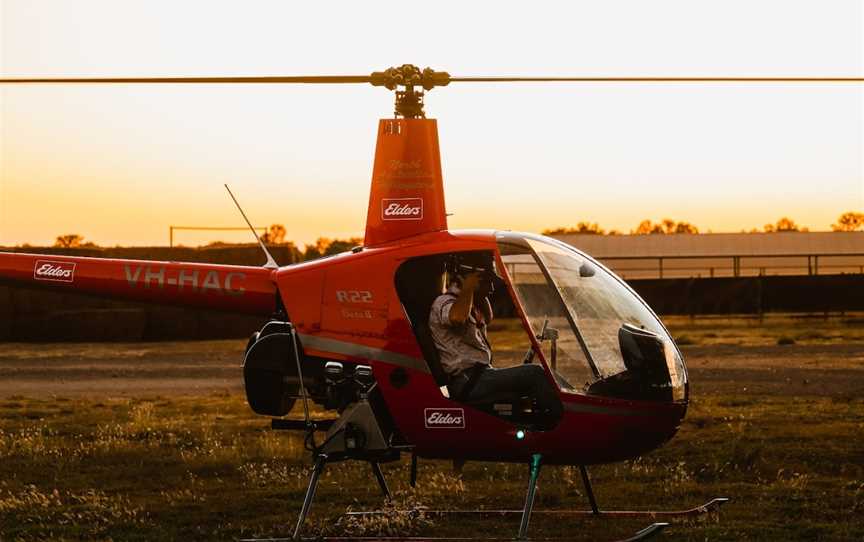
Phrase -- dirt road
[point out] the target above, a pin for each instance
(192, 368)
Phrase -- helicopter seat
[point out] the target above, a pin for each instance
(514, 407)
(430, 351)
(418, 283)
(500, 405)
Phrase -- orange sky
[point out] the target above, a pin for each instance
(119, 164)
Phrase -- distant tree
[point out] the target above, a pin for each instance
(850, 221)
(312, 252)
(293, 251)
(785, 224)
(667, 226)
(581, 227)
(685, 227)
(644, 228)
(328, 247)
(275, 235)
(342, 245)
(71, 240)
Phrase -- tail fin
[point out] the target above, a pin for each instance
(407, 194)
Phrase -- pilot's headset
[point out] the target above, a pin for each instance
(462, 265)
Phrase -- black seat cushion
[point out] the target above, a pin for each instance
(418, 283)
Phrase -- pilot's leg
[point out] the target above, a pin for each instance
(513, 382)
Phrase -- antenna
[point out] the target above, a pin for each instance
(271, 263)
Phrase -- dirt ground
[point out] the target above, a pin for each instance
(723, 356)
(120, 369)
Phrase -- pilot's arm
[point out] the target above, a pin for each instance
(485, 308)
(461, 308)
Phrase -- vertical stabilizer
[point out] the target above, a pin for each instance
(407, 194)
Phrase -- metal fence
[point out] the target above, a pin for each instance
(172, 229)
(737, 265)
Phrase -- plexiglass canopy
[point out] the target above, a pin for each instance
(578, 310)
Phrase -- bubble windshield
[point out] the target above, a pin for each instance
(586, 307)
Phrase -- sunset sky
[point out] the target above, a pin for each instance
(118, 164)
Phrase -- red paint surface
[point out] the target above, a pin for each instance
(407, 193)
(232, 288)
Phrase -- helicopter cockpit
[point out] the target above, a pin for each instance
(597, 336)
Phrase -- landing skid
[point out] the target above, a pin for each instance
(711, 506)
(655, 528)
(644, 534)
(526, 512)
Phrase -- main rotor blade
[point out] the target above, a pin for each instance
(309, 79)
(613, 79)
(423, 79)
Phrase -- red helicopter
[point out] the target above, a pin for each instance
(351, 332)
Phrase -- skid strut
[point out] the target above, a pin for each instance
(317, 469)
(320, 461)
(376, 468)
(589, 490)
(413, 479)
(534, 473)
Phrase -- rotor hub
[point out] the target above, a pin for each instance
(410, 84)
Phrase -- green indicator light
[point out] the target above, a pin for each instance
(520, 434)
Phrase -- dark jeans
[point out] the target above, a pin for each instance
(511, 383)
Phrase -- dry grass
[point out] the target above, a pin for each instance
(204, 467)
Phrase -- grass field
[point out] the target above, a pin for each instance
(779, 428)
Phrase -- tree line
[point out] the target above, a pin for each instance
(849, 221)
(274, 236)
(323, 246)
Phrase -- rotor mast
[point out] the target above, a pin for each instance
(414, 83)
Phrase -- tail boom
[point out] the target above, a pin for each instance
(231, 288)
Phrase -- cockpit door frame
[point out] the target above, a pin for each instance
(526, 325)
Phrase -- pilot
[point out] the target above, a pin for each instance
(458, 321)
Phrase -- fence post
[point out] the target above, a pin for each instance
(761, 304)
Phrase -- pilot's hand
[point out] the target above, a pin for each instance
(471, 281)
